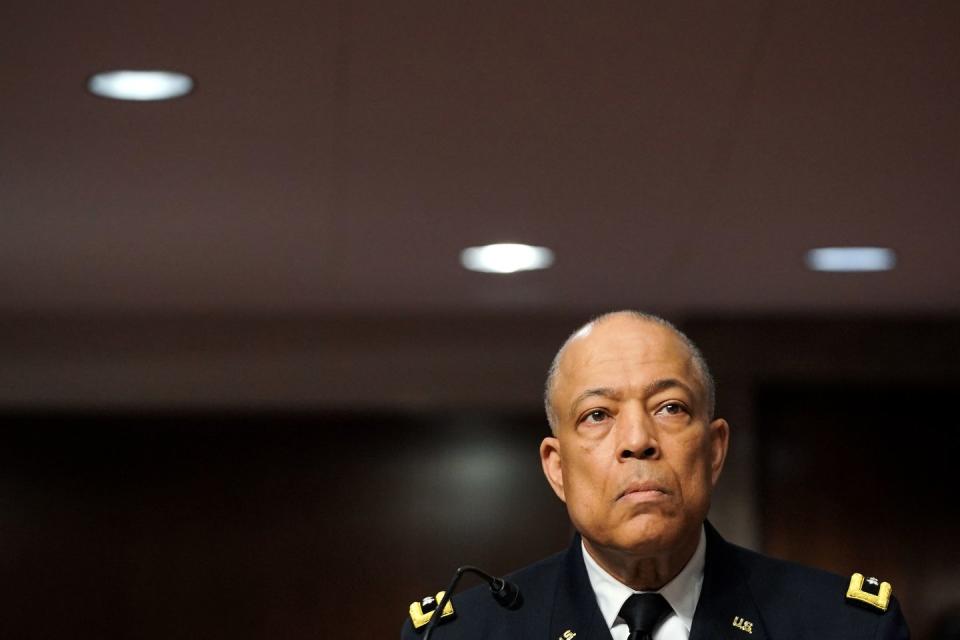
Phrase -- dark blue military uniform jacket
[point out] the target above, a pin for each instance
(745, 596)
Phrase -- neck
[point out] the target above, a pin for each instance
(644, 573)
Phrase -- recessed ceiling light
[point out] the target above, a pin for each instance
(140, 85)
(506, 258)
(851, 259)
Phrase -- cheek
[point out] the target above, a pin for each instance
(692, 468)
(584, 479)
(698, 486)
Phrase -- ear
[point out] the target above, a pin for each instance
(552, 465)
(719, 434)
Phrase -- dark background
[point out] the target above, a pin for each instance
(256, 523)
(247, 389)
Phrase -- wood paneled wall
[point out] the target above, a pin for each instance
(257, 525)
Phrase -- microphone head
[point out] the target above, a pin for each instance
(506, 593)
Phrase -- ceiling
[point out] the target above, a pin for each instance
(337, 156)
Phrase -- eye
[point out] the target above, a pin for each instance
(674, 409)
(595, 416)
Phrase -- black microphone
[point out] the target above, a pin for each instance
(504, 592)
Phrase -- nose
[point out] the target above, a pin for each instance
(637, 436)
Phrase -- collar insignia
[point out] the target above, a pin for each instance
(870, 592)
(421, 612)
(744, 625)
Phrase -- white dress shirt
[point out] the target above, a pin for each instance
(683, 593)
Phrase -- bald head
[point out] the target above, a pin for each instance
(617, 321)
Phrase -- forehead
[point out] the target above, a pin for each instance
(621, 353)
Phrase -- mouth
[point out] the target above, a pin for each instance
(643, 491)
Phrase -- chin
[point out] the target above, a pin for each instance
(649, 535)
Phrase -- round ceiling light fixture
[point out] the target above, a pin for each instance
(125, 84)
(851, 259)
(507, 257)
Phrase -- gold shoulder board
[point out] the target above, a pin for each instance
(421, 612)
(877, 594)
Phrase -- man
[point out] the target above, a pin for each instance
(635, 454)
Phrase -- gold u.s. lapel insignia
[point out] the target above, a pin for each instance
(421, 612)
(874, 593)
(567, 635)
(743, 625)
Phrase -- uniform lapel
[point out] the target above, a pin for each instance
(726, 609)
(575, 609)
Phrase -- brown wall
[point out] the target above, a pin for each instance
(260, 525)
(862, 479)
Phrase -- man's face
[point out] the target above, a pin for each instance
(634, 457)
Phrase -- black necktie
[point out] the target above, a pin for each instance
(643, 611)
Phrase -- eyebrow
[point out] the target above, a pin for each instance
(607, 392)
(602, 392)
(667, 383)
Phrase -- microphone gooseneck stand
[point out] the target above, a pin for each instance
(505, 593)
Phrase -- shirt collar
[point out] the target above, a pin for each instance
(682, 592)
